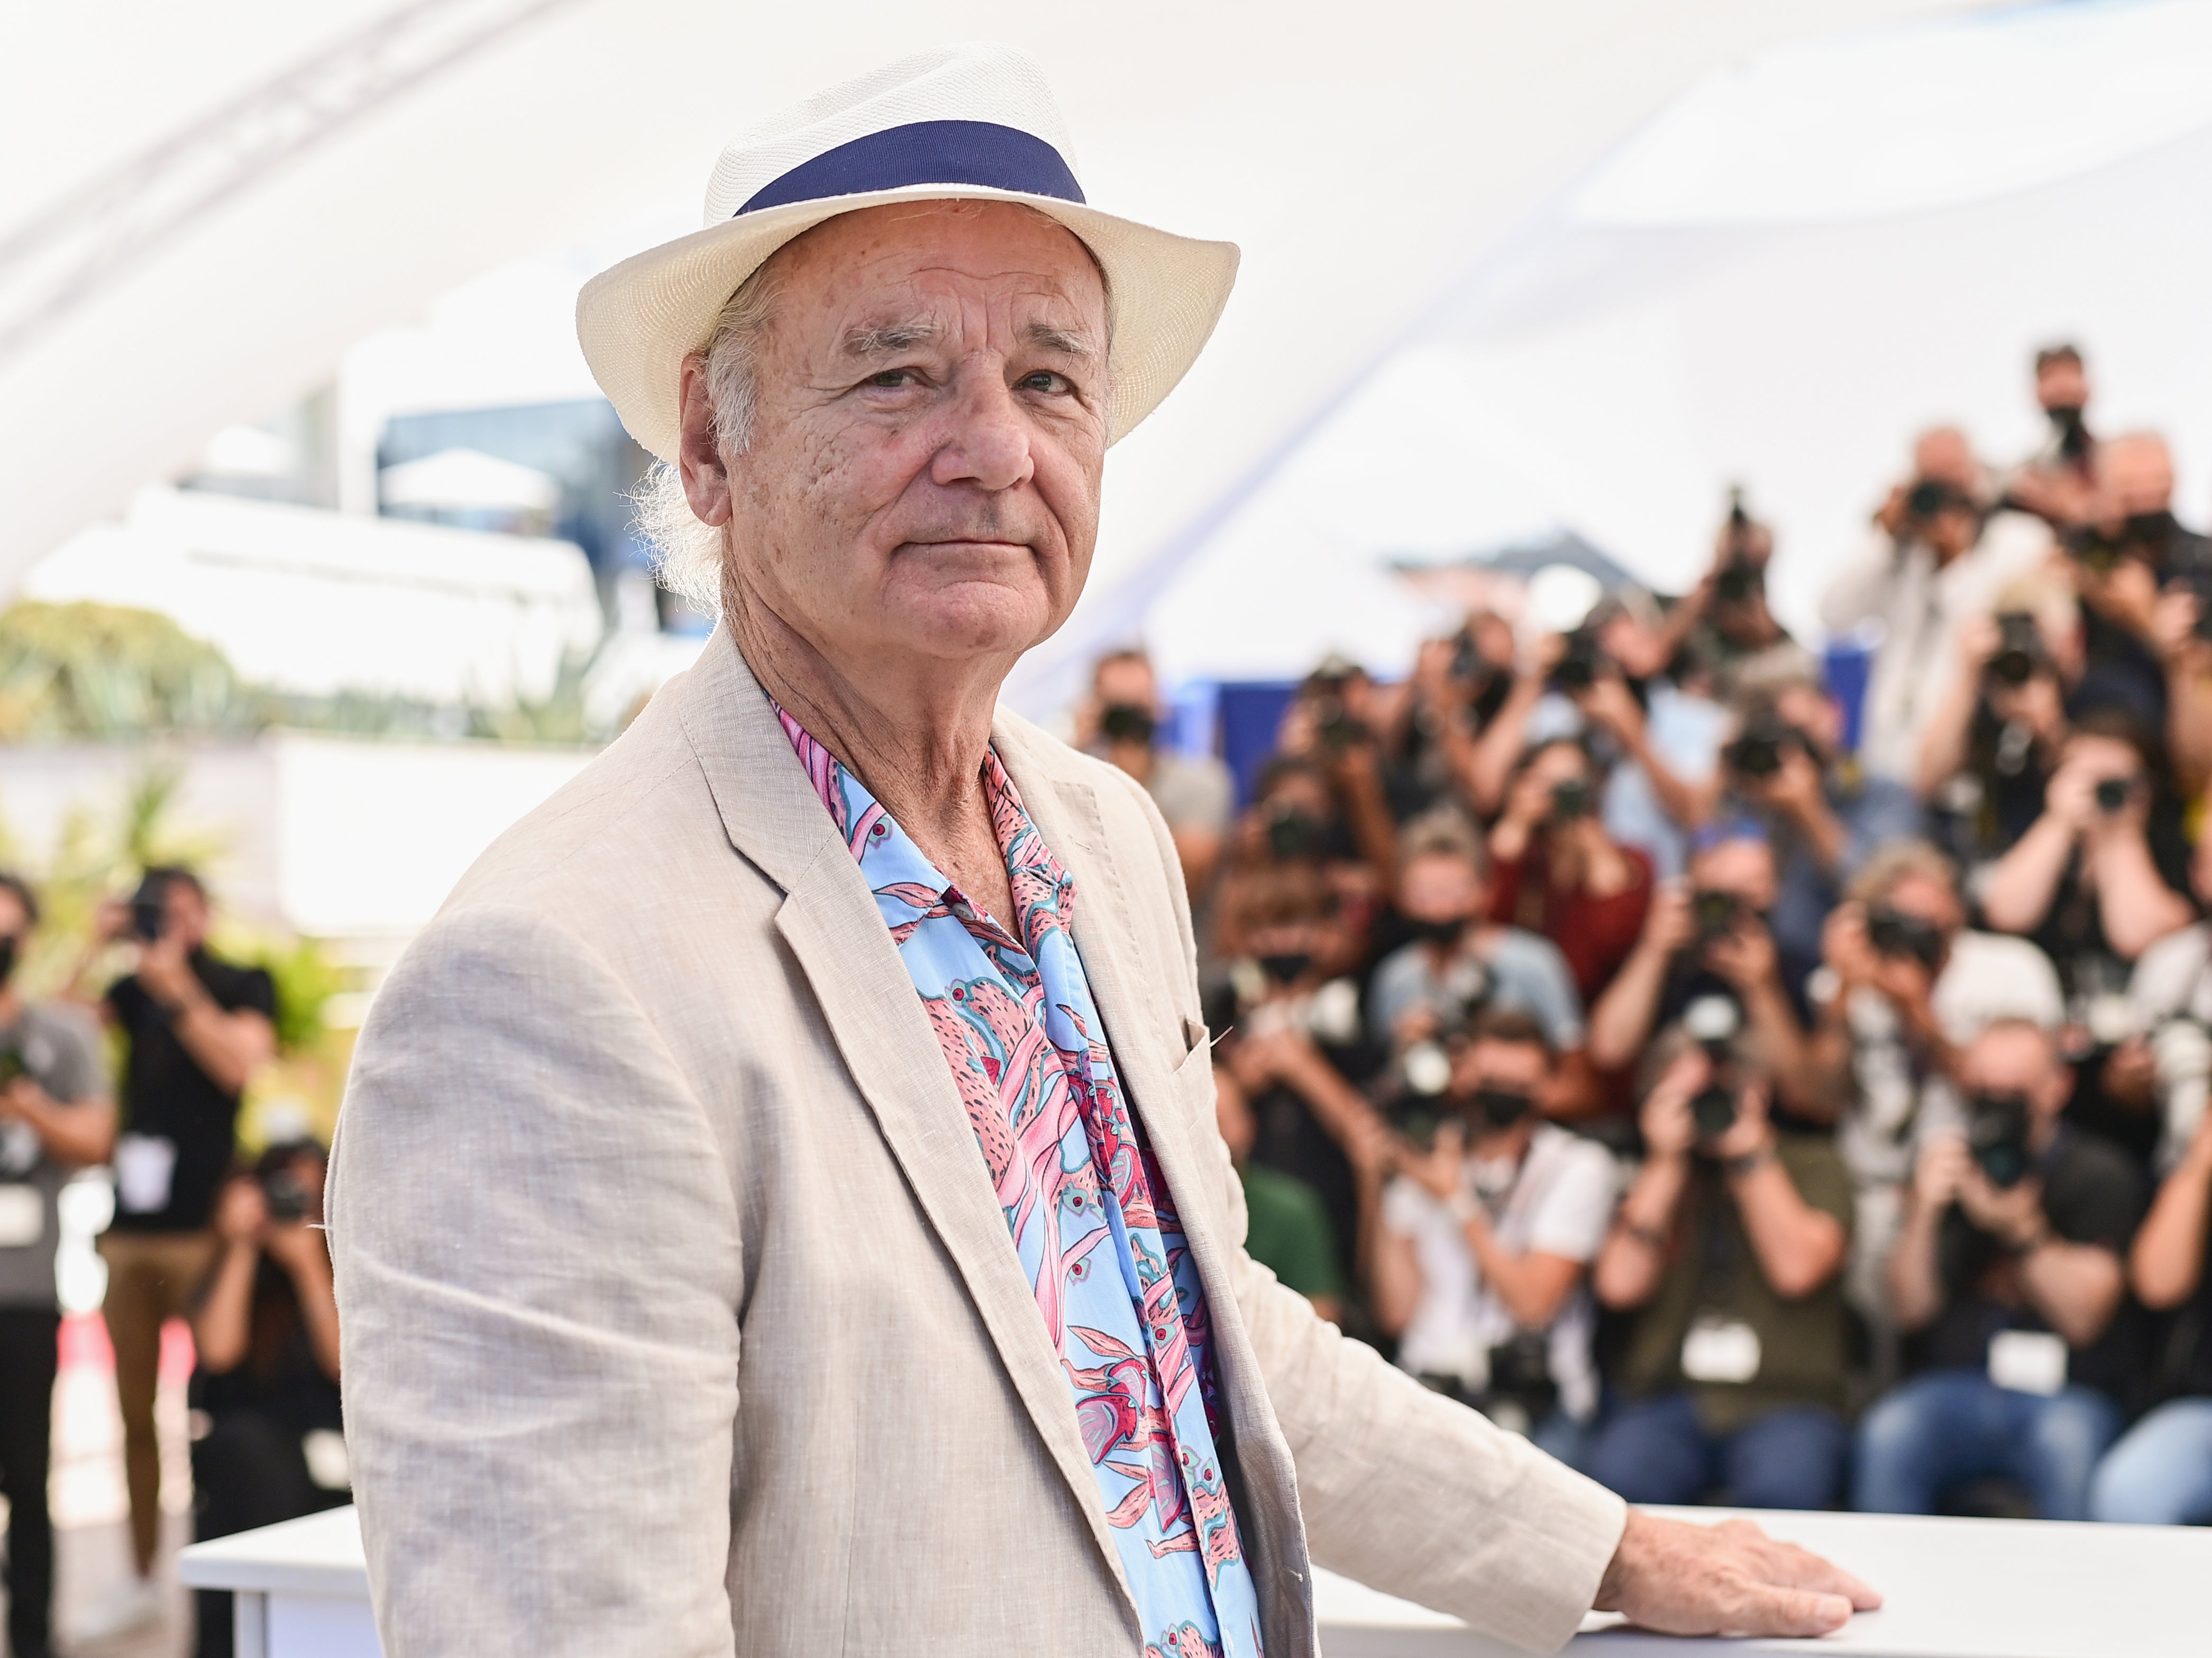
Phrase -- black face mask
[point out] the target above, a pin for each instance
(1286, 967)
(8, 946)
(2150, 530)
(2066, 421)
(1125, 722)
(1432, 931)
(1501, 1108)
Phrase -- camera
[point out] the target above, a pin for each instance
(1713, 1022)
(149, 911)
(1903, 938)
(1468, 662)
(2112, 794)
(1714, 913)
(1578, 669)
(1756, 751)
(1739, 580)
(1336, 726)
(285, 1193)
(1573, 799)
(2095, 550)
(1293, 835)
(1930, 496)
(1996, 1135)
(2019, 649)
(1125, 722)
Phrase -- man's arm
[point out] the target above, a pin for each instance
(538, 1267)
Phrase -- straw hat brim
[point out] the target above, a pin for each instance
(638, 321)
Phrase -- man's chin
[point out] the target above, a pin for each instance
(971, 621)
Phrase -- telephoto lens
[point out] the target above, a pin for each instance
(1996, 1135)
(2112, 795)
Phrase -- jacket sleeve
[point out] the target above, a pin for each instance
(538, 1267)
(1401, 1488)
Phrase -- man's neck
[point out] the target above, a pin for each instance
(913, 733)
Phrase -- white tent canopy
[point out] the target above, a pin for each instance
(211, 203)
(1775, 281)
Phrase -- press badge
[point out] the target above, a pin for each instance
(2027, 1361)
(22, 1216)
(144, 1166)
(1720, 1350)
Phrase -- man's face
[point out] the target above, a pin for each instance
(923, 476)
(2062, 383)
(185, 914)
(14, 923)
(1944, 456)
(1814, 713)
(1126, 683)
(2135, 475)
(2012, 1058)
(1439, 888)
(1517, 1067)
(1926, 899)
(1743, 867)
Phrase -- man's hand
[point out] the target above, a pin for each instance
(1944, 1164)
(165, 972)
(1745, 955)
(2012, 1213)
(1728, 1579)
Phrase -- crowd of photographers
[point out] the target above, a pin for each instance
(1748, 1114)
(236, 1251)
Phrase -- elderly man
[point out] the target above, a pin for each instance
(778, 1208)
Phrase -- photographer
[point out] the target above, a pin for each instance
(1295, 1045)
(1554, 869)
(1121, 724)
(1710, 940)
(1933, 560)
(2161, 1472)
(1994, 736)
(1725, 620)
(195, 1028)
(1655, 744)
(1459, 961)
(2160, 1074)
(1457, 688)
(2007, 1276)
(1486, 1237)
(2128, 551)
(55, 1117)
(2057, 482)
(1726, 1251)
(265, 1388)
(1908, 987)
(2101, 874)
(1823, 812)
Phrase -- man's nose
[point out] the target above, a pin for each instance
(988, 443)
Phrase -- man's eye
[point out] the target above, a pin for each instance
(891, 377)
(1044, 380)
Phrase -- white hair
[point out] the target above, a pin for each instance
(686, 554)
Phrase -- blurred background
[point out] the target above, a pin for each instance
(315, 539)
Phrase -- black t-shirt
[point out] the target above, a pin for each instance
(278, 1377)
(168, 1098)
(2091, 1193)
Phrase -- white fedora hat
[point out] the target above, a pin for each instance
(963, 123)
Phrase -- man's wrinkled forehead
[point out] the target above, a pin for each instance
(908, 276)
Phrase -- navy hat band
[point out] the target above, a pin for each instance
(926, 153)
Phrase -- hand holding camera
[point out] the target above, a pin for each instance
(1944, 1164)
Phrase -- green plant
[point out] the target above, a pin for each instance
(105, 671)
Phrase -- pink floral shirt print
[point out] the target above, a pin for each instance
(1085, 1205)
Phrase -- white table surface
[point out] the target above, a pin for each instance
(1954, 1588)
(319, 1555)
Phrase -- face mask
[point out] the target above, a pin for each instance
(1501, 1108)
(1432, 931)
(2067, 418)
(1286, 967)
(7, 948)
(2152, 530)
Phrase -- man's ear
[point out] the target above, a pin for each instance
(706, 479)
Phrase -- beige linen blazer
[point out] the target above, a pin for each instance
(679, 1314)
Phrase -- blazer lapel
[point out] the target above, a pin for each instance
(772, 815)
(1144, 1032)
